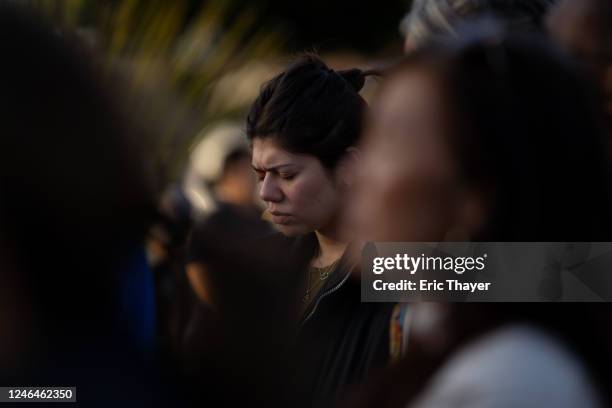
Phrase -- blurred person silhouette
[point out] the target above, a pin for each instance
(240, 321)
(584, 28)
(218, 183)
(74, 207)
(234, 349)
(488, 138)
(304, 127)
(222, 187)
(220, 170)
(166, 246)
(429, 19)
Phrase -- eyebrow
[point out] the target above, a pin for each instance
(279, 166)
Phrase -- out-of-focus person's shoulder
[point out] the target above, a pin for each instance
(225, 228)
(516, 366)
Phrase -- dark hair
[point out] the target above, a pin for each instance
(311, 109)
(429, 19)
(527, 132)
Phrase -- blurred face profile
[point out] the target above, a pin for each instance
(238, 184)
(300, 194)
(405, 188)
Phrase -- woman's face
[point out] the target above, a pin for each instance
(300, 195)
(405, 189)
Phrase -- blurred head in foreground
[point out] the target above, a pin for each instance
(488, 137)
(73, 201)
(584, 28)
(491, 138)
(429, 19)
(302, 127)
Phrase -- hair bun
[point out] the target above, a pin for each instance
(354, 77)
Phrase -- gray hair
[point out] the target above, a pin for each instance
(433, 18)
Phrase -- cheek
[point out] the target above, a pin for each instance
(423, 210)
(404, 202)
(311, 198)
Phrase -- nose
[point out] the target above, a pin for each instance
(269, 190)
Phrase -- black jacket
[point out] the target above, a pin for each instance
(341, 340)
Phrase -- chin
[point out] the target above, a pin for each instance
(292, 230)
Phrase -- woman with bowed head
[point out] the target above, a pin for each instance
(303, 128)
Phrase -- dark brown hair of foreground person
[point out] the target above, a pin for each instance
(524, 130)
(74, 203)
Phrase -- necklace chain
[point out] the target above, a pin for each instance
(323, 275)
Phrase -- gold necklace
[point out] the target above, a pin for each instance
(323, 275)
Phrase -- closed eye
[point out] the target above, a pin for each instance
(287, 176)
(259, 174)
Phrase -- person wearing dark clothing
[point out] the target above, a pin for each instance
(342, 338)
(304, 128)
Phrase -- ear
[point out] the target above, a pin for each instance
(346, 169)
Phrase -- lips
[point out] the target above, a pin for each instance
(281, 217)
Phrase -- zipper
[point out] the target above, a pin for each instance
(328, 292)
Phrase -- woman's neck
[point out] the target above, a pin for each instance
(330, 250)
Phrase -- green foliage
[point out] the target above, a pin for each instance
(182, 66)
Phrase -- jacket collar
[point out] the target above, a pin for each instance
(306, 246)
